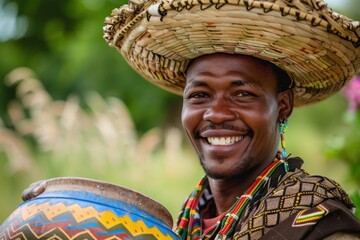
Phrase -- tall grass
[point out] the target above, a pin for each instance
(49, 138)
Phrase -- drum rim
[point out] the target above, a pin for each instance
(113, 191)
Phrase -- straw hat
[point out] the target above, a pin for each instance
(318, 48)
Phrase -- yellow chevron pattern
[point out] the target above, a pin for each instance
(107, 218)
(310, 216)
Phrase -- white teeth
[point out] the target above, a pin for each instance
(224, 140)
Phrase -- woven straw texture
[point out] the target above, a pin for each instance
(318, 48)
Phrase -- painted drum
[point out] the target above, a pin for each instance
(79, 208)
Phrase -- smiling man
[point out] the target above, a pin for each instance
(231, 113)
(232, 108)
(241, 66)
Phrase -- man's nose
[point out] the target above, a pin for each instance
(219, 111)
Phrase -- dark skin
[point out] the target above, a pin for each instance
(231, 111)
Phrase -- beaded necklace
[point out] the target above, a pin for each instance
(189, 229)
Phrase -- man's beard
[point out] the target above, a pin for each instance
(239, 171)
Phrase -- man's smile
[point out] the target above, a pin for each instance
(224, 140)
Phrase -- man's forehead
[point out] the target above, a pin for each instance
(230, 64)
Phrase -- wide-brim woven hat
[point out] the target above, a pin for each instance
(317, 47)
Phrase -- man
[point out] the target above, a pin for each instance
(231, 112)
(241, 66)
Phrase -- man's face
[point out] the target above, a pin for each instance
(231, 112)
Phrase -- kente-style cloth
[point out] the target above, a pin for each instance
(292, 205)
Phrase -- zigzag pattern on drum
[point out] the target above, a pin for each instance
(80, 222)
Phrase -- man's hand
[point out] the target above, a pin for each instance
(34, 190)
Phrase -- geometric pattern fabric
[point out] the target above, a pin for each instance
(298, 193)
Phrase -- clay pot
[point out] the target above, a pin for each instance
(78, 208)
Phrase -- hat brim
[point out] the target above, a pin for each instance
(315, 46)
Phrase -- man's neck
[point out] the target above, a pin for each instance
(226, 191)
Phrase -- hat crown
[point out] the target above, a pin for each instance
(318, 13)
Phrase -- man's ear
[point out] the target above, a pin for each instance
(286, 104)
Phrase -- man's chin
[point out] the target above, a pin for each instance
(225, 176)
(231, 172)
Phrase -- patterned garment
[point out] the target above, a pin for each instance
(293, 205)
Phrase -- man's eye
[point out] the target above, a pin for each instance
(198, 95)
(244, 94)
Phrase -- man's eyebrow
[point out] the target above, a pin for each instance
(240, 83)
(195, 83)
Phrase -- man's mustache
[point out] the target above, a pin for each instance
(225, 126)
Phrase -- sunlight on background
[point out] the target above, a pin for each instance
(12, 26)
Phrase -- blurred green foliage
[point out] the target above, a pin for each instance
(345, 144)
(64, 46)
(346, 147)
(62, 42)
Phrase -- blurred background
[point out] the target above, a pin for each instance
(70, 106)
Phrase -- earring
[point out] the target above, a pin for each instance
(282, 130)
